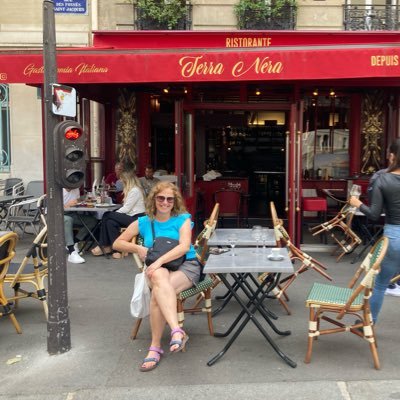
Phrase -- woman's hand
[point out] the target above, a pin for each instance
(355, 202)
(152, 267)
(142, 252)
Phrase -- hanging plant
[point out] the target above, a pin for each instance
(168, 13)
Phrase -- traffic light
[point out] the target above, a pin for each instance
(69, 140)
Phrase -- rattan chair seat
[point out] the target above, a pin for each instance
(331, 295)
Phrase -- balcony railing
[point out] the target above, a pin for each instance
(285, 19)
(358, 17)
(143, 22)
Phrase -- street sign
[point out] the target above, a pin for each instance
(64, 100)
(70, 6)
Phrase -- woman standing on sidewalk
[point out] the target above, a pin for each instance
(113, 221)
(385, 198)
(167, 213)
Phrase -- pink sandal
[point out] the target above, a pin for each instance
(155, 360)
(180, 342)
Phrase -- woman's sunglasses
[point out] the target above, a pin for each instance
(161, 199)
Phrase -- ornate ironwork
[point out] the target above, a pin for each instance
(142, 22)
(357, 17)
(372, 130)
(286, 20)
(127, 128)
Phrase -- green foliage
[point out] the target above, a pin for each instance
(258, 12)
(166, 12)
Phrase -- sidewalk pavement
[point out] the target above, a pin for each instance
(103, 362)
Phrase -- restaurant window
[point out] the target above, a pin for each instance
(4, 129)
(326, 136)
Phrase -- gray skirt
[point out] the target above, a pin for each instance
(192, 269)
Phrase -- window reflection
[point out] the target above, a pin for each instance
(326, 137)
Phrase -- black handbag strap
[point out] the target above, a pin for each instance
(153, 230)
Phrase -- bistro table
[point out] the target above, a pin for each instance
(98, 211)
(244, 238)
(240, 267)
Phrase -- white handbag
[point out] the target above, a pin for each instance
(140, 302)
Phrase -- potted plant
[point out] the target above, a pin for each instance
(260, 14)
(162, 14)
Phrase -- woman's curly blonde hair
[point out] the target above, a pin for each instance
(179, 206)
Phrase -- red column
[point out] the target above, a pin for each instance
(143, 140)
(355, 135)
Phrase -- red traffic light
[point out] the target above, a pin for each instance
(73, 133)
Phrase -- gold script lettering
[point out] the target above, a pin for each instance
(84, 68)
(195, 66)
(260, 66)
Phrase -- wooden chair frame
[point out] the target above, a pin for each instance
(10, 240)
(296, 255)
(202, 290)
(327, 300)
(341, 222)
(33, 270)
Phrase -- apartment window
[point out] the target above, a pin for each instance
(4, 129)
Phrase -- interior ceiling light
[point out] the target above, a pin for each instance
(185, 90)
(166, 90)
(258, 92)
(315, 92)
(332, 92)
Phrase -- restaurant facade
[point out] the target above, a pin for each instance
(272, 112)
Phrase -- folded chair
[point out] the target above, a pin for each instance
(203, 288)
(22, 214)
(301, 260)
(340, 230)
(8, 241)
(33, 269)
(331, 304)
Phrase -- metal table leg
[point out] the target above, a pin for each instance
(255, 302)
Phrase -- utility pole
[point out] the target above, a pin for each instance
(58, 325)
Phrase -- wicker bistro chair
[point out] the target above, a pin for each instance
(8, 241)
(340, 230)
(331, 303)
(32, 273)
(301, 260)
(202, 289)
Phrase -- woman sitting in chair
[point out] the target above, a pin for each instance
(165, 209)
(113, 221)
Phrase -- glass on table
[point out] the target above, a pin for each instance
(256, 232)
(264, 237)
(232, 240)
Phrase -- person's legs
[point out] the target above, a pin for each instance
(73, 256)
(69, 230)
(166, 285)
(157, 324)
(389, 267)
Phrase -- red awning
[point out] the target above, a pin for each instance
(95, 65)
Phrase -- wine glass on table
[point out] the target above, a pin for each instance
(256, 234)
(232, 240)
(264, 237)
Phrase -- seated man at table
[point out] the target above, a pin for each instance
(115, 183)
(148, 180)
(71, 220)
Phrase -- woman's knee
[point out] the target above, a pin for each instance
(159, 277)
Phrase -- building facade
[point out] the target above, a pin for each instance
(304, 113)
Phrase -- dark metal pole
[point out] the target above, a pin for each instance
(58, 325)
